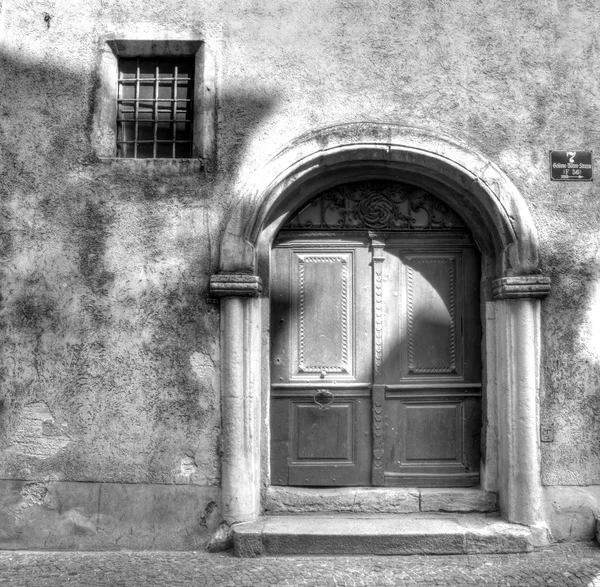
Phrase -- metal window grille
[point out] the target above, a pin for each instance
(155, 107)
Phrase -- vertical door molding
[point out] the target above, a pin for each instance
(240, 395)
(378, 394)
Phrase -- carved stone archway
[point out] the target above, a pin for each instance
(512, 288)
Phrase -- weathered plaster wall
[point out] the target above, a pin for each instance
(110, 351)
(109, 347)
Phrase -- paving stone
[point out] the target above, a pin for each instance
(566, 564)
(560, 565)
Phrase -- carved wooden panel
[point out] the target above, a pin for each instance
(375, 204)
(320, 299)
(432, 440)
(323, 305)
(323, 433)
(431, 313)
(431, 432)
(327, 446)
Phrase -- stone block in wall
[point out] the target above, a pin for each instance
(571, 512)
(106, 516)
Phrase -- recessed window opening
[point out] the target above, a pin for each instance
(155, 104)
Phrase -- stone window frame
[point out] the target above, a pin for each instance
(104, 134)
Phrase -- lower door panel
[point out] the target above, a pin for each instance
(315, 445)
(432, 441)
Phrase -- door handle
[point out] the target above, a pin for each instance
(323, 398)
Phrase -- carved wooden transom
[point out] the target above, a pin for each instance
(375, 205)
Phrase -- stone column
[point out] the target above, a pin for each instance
(518, 302)
(240, 395)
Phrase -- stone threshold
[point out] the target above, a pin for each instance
(389, 534)
(374, 500)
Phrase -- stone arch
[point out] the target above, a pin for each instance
(494, 209)
(499, 219)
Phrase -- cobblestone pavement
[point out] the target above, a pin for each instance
(565, 564)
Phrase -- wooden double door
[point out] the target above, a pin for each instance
(375, 359)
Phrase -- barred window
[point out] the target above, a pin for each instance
(155, 107)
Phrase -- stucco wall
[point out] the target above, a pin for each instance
(109, 347)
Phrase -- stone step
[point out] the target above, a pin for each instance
(378, 500)
(399, 534)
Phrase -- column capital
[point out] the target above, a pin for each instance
(521, 286)
(235, 284)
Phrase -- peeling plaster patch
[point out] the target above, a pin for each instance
(200, 363)
(589, 336)
(78, 522)
(37, 435)
(34, 493)
(192, 471)
(188, 466)
(203, 365)
(222, 539)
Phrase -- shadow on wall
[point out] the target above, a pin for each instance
(38, 125)
(105, 318)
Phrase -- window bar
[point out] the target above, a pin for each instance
(135, 141)
(174, 109)
(119, 110)
(155, 123)
(136, 102)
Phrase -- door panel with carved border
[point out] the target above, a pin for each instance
(432, 371)
(321, 363)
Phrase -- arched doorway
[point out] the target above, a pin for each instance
(511, 288)
(375, 341)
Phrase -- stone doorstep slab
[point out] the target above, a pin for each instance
(380, 535)
(396, 500)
